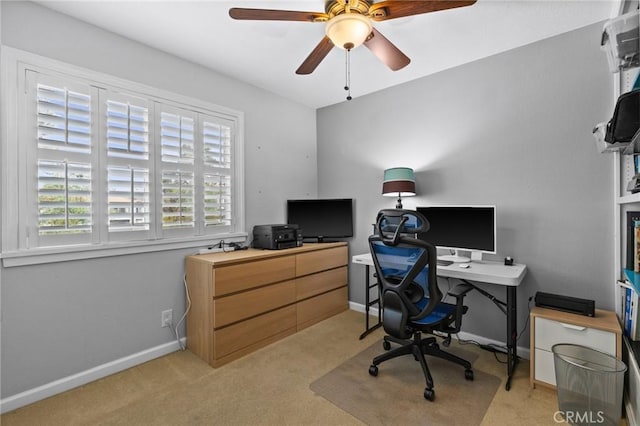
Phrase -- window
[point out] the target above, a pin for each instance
(103, 164)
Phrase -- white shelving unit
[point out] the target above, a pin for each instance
(626, 201)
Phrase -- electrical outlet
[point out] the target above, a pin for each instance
(167, 318)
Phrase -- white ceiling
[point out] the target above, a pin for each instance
(267, 53)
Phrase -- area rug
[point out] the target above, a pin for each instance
(395, 396)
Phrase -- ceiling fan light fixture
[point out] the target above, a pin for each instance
(348, 30)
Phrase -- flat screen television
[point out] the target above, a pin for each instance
(322, 219)
(461, 228)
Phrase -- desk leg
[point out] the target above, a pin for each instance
(512, 334)
(367, 304)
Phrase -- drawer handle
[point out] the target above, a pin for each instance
(573, 327)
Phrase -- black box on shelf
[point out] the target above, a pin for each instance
(570, 304)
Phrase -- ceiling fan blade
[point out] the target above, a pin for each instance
(391, 9)
(315, 57)
(386, 51)
(276, 15)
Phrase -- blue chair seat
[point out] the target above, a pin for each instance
(441, 311)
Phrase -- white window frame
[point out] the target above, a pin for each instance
(16, 155)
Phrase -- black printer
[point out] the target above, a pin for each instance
(276, 237)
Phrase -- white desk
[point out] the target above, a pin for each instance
(496, 273)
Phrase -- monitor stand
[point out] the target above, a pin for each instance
(455, 258)
(476, 256)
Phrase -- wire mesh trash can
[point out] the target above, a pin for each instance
(590, 385)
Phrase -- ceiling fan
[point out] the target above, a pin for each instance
(349, 24)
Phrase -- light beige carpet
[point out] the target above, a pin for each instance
(271, 387)
(395, 396)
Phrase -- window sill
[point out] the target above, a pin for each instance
(80, 252)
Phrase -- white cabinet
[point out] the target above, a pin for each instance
(549, 327)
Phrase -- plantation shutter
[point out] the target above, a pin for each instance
(128, 167)
(128, 199)
(65, 160)
(64, 197)
(64, 119)
(217, 167)
(177, 166)
(95, 160)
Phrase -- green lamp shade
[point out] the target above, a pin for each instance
(399, 181)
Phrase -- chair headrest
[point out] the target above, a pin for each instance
(392, 223)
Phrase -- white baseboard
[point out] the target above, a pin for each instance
(67, 383)
(522, 352)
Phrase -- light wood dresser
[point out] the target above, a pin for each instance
(244, 300)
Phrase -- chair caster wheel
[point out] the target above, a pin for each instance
(373, 370)
(468, 374)
(386, 345)
(429, 394)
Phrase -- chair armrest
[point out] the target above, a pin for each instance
(460, 290)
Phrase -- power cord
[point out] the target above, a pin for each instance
(222, 247)
(175, 330)
(526, 323)
(492, 347)
(237, 246)
(232, 246)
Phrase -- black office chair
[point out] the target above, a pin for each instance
(411, 300)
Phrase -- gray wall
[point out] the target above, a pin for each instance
(61, 319)
(512, 130)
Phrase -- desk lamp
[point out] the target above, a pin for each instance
(399, 181)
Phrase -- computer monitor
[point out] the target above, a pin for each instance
(322, 219)
(461, 228)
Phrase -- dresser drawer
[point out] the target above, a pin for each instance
(549, 332)
(243, 276)
(230, 309)
(321, 260)
(311, 311)
(246, 333)
(321, 282)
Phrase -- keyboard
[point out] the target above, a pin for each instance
(444, 262)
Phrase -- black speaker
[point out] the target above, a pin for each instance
(574, 305)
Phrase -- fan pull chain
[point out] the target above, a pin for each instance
(347, 72)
